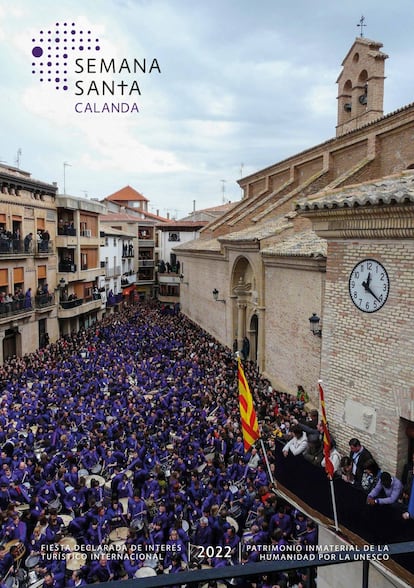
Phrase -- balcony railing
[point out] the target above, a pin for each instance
(377, 525)
(18, 247)
(17, 306)
(44, 300)
(67, 266)
(146, 263)
(44, 247)
(128, 280)
(71, 303)
(67, 230)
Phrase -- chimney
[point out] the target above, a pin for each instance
(168, 215)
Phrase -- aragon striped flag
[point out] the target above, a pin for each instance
(250, 426)
(329, 468)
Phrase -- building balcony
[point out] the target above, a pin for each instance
(146, 263)
(67, 267)
(20, 307)
(71, 308)
(169, 278)
(44, 248)
(383, 524)
(67, 241)
(128, 280)
(67, 230)
(146, 242)
(16, 247)
(44, 301)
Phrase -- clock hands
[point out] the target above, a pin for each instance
(368, 289)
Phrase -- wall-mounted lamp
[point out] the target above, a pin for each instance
(182, 279)
(216, 296)
(314, 325)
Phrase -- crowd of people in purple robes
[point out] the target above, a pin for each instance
(126, 436)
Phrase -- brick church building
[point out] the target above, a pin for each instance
(325, 234)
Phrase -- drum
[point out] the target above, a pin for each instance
(32, 578)
(247, 537)
(55, 505)
(11, 582)
(233, 489)
(233, 523)
(21, 508)
(96, 469)
(235, 510)
(67, 519)
(119, 534)
(82, 473)
(68, 543)
(75, 561)
(16, 548)
(124, 502)
(99, 479)
(31, 562)
(138, 523)
(145, 572)
(209, 456)
(36, 583)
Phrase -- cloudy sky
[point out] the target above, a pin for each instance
(236, 86)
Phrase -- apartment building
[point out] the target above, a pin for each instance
(27, 262)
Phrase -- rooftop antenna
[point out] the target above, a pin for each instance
(85, 192)
(18, 155)
(361, 24)
(224, 190)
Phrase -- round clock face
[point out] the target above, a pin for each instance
(369, 285)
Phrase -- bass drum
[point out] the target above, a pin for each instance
(18, 580)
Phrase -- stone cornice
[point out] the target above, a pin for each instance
(314, 264)
(379, 222)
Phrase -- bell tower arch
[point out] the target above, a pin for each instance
(361, 86)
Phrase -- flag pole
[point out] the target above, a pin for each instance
(334, 505)
(329, 468)
(269, 471)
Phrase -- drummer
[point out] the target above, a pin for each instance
(6, 561)
(48, 492)
(76, 579)
(136, 506)
(54, 527)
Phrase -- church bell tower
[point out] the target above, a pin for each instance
(361, 86)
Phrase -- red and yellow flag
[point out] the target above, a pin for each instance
(329, 468)
(250, 426)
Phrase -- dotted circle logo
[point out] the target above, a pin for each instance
(52, 49)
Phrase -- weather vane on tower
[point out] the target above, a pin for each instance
(362, 24)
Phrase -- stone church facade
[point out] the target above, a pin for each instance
(286, 251)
